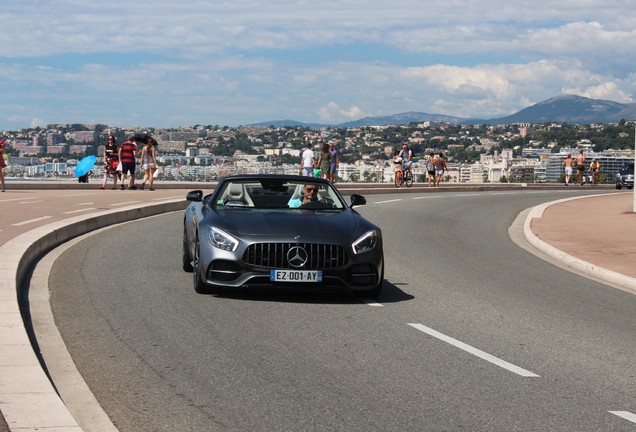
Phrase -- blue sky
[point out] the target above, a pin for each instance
(167, 64)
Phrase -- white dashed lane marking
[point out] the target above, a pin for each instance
(626, 415)
(474, 351)
(31, 221)
(81, 210)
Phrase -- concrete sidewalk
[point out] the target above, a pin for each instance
(593, 235)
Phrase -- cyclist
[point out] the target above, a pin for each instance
(406, 154)
(595, 171)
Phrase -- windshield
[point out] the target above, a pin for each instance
(278, 194)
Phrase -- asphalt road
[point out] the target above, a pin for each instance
(471, 333)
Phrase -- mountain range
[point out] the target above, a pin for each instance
(562, 109)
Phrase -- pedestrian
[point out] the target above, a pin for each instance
(580, 167)
(335, 163)
(127, 153)
(149, 163)
(568, 165)
(307, 162)
(3, 164)
(430, 169)
(324, 161)
(111, 160)
(440, 167)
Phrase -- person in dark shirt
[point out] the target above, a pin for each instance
(127, 157)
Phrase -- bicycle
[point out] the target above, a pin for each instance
(404, 176)
(596, 178)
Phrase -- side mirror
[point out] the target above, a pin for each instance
(195, 196)
(357, 200)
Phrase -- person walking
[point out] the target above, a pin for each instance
(580, 167)
(3, 164)
(335, 163)
(568, 165)
(149, 163)
(440, 167)
(127, 153)
(111, 160)
(307, 162)
(430, 169)
(324, 162)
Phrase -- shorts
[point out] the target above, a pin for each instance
(439, 172)
(431, 173)
(128, 167)
(580, 168)
(149, 166)
(309, 171)
(568, 170)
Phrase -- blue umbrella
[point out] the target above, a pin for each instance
(85, 165)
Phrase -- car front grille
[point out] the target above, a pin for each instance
(274, 255)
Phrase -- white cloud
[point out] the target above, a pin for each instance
(247, 61)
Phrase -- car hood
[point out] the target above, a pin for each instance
(309, 224)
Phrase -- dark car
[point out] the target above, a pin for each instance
(275, 232)
(625, 177)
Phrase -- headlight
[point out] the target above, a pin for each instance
(222, 240)
(366, 243)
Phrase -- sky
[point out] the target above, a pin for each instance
(156, 63)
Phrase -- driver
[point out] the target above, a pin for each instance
(309, 198)
(310, 195)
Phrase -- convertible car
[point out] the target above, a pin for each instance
(280, 232)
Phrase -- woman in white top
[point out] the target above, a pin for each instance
(148, 163)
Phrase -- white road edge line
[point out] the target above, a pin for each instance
(476, 352)
(31, 221)
(625, 414)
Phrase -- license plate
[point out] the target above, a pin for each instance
(295, 275)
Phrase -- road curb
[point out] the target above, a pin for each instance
(28, 399)
(575, 265)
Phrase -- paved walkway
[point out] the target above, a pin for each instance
(593, 235)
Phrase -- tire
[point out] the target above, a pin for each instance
(199, 284)
(398, 179)
(185, 254)
(408, 179)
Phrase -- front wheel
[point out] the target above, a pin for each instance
(408, 178)
(199, 284)
(185, 253)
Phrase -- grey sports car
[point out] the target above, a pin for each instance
(277, 231)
